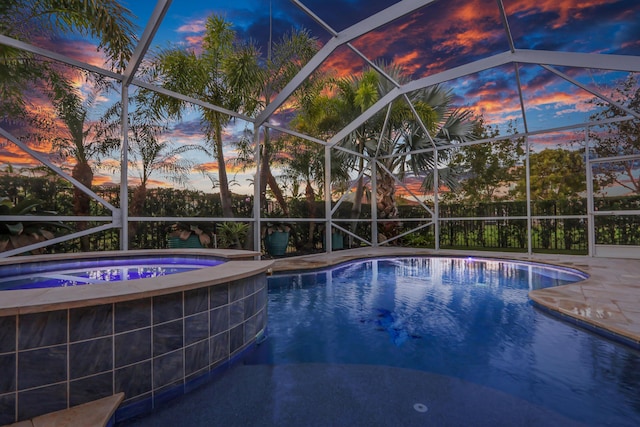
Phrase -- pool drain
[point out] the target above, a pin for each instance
(420, 407)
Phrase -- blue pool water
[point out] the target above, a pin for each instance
(96, 271)
(460, 318)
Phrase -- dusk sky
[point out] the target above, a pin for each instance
(445, 35)
(437, 37)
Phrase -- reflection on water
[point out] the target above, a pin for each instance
(460, 317)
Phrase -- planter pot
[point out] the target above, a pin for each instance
(276, 243)
(337, 241)
(177, 243)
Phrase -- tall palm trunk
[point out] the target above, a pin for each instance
(225, 193)
(357, 203)
(136, 209)
(81, 201)
(267, 178)
(386, 205)
(386, 195)
(310, 198)
(356, 208)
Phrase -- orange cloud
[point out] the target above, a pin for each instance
(212, 167)
(16, 156)
(409, 62)
(195, 43)
(195, 26)
(80, 50)
(413, 187)
(151, 183)
(103, 180)
(564, 9)
(440, 35)
(539, 100)
(17, 160)
(565, 140)
(341, 63)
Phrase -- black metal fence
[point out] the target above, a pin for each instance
(461, 225)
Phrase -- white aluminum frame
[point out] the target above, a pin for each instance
(548, 60)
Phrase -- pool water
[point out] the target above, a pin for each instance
(95, 272)
(460, 318)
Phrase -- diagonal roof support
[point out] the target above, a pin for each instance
(601, 61)
(315, 17)
(567, 59)
(381, 18)
(521, 97)
(149, 32)
(505, 23)
(186, 98)
(58, 57)
(463, 70)
(45, 161)
(593, 92)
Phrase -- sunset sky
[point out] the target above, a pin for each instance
(435, 38)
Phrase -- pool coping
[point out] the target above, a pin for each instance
(607, 302)
(97, 413)
(26, 301)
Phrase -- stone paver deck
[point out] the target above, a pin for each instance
(609, 299)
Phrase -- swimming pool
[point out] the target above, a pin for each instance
(97, 271)
(423, 341)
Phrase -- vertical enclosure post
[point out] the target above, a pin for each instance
(124, 170)
(591, 225)
(327, 200)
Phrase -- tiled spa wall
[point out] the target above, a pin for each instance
(152, 349)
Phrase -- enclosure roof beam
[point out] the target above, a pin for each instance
(461, 71)
(505, 23)
(567, 59)
(381, 18)
(602, 61)
(296, 134)
(315, 17)
(190, 99)
(58, 57)
(149, 33)
(592, 91)
(45, 161)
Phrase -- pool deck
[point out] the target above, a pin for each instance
(608, 300)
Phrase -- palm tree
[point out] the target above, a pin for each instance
(325, 112)
(320, 116)
(397, 153)
(150, 155)
(21, 72)
(307, 166)
(223, 74)
(392, 140)
(79, 140)
(149, 152)
(356, 95)
(284, 59)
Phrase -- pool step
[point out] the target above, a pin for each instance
(91, 414)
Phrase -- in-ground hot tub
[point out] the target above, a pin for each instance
(104, 270)
(152, 338)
